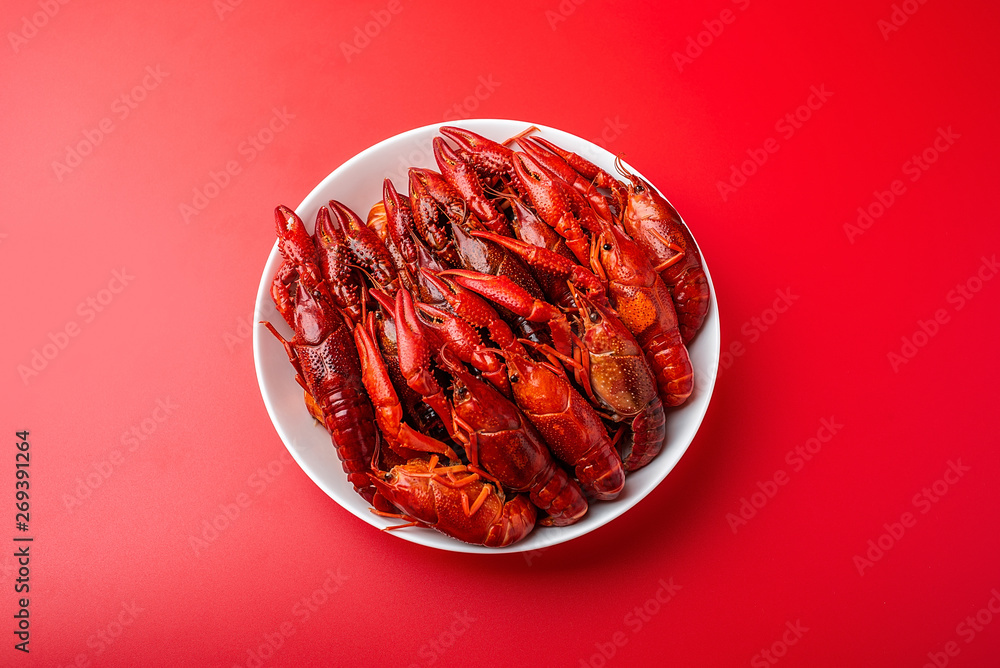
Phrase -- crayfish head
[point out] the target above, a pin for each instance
(623, 261)
(474, 401)
(645, 203)
(604, 333)
(407, 487)
(638, 189)
(315, 316)
(636, 183)
(460, 394)
(537, 387)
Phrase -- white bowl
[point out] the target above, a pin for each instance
(358, 184)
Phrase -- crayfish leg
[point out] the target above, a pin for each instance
(414, 440)
(484, 474)
(399, 516)
(580, 367)
(451, 482)
(294, 359)
(480, 500)
(672, 246)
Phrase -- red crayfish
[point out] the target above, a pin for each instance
(499, 346)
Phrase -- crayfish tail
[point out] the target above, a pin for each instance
(560, 497)
(647, 437)
(516, 521)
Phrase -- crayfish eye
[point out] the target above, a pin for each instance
(594, 317)
(606, 247)
(514, 378)
(640, 188)
(460, 392)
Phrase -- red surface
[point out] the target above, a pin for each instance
(177, 333)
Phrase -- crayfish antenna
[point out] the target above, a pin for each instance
(519, 135)
(376, 453)
(620, 167)
(413, 523)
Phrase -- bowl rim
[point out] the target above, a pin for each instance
(541, 537)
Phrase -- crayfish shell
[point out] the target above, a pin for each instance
(425, 495)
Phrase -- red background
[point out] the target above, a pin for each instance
(179, 331)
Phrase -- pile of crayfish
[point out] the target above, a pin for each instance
(497, 346)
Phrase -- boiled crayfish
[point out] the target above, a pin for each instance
(501, 344)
